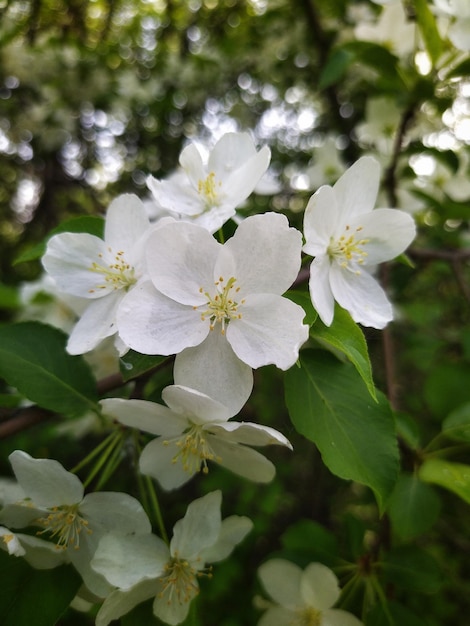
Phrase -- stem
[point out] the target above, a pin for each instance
(117, 440)
(94, 452)
(156, 509)
(111, 466)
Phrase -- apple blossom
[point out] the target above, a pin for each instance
(194, 429)
(221, 302)
(302, 596)
(208, 193)
(348, 239)
(144, 567)
(84, 265)
(54, 500)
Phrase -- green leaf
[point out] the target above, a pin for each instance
(30, 596)
(312, 541)
(413, 507)
(393, 614)
(457, 423)
(9, 298)
(346, 336)
(335, 68)
(452, 476)
(413, 569)
(356, 437)
(428, 29)
(84, 224)
(33, 359)
(134, 364)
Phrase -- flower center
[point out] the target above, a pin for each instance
(307, 617)
(65, 523)
(209, 190)
(348, 249)
(179, 583)
(222, 307)
(117, 274)
(193, 451)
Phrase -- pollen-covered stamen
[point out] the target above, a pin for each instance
(179, 582)
(222, 307)
(349, 248)
(209, 189)
(65, 523)
(117, 274)
(193, 450)
(307, 616)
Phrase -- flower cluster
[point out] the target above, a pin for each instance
(169, 287)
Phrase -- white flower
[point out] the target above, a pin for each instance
(208, 194)
(326, 164)
(101, 271)
(393, 29)
(222, 303)
(143, 567)
(193, 429)
(459, 29)
(54, 500)
(348, 238)
(303, 597)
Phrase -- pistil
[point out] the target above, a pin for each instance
(117, 275)
(65, 523)
(222, 307)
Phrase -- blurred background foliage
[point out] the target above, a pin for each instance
(95, 95)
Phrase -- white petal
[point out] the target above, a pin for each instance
(356, 191)
(151, 323)
(230, 153)
(97, 322)
(337, 617)
(320, 221)
(118, 603)
(362, 296)
(147, 416)
(191, 162)
(181, 259)
(320, 290)
(113, 510)
(126, 222)
(41, 554)
(265, 253)
(241, 460)
(242, 181)
(249, 434)
(388, 231)
(214, 369)
(200, 527)
(271, 330)
(176, 194)
(21, 514)
(10, 542)
(277, 616)
(81, 560)
(126, 561)
(69, 258)
(281, 580)
(233, 530)
(319, 586)
(197, 406)
(156, 460)
(213, 219)
(45, 481)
